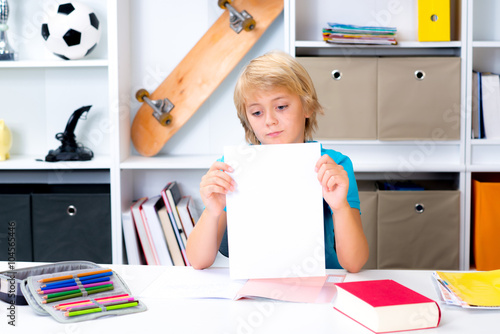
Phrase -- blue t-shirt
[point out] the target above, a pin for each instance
(331, 259)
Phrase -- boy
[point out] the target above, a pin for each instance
(277, 104)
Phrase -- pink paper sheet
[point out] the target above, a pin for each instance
(293, 289)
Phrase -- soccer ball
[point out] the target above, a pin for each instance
(72, 32)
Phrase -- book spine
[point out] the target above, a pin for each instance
(176, 230)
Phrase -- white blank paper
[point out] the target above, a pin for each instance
(188, 282)
(275, 214)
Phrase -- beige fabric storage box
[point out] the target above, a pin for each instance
(418, 98)
(347, 90)
(418, 229)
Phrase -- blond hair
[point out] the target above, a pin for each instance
(276, 70)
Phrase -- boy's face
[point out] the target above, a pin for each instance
(276, 116)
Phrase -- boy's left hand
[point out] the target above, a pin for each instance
(335, 182)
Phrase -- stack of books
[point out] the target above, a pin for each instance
(473, 290)
(353, 34)
(156, 228)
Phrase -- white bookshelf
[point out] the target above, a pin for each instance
(140, 46)
(400, 45)
(483, 51)
(26, 162)
(375, 159)
(54, 64)
(40, 91)
(169, 162)
(192, 150)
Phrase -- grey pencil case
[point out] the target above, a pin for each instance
(97, 301)
(11, 280)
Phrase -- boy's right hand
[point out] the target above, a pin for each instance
(214, 186)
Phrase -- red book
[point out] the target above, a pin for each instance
(386, 306)
(144, 235)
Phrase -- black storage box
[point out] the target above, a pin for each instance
(72, 223)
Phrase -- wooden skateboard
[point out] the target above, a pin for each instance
(201, 71)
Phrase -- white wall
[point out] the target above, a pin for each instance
(163, 32)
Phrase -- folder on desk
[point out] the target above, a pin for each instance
(475, 289)
(434, 20)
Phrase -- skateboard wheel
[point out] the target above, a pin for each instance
(249, 24)
(141, 94)
(165, 119)
(222, 3)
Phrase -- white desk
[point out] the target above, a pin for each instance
(223, 316)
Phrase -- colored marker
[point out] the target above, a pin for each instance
(64, 293)
(111, 297)
(79, 294)
(81, 308)
(65, 285)
(83, 279)
(120, 300)
(90, 310)
(55, 299)
(59, 278)
(98, 309)
(67, 307)
(68, 288)
(86, 307)
(121, 306)
(72, 303)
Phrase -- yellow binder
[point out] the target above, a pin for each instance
(434, 20)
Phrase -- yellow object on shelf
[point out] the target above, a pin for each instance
(5, 141)
(434, 20)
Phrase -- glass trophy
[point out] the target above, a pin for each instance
(6, 51)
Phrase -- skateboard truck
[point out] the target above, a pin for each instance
(161, 108)
(237, 20)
